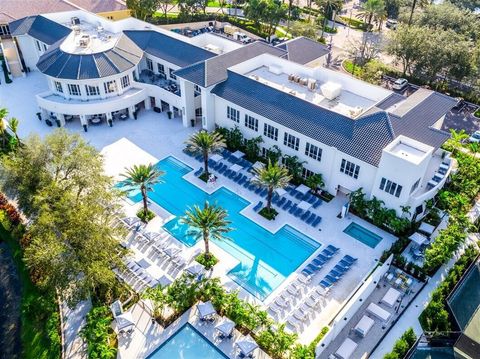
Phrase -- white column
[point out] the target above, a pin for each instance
(148, 104)
(188, 102)
(61, 117)
(131, 110)
(208, 110)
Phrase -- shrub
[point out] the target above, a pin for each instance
(98, 334)
(402, 345)
(269, 214)
(145, 218)
(207, 261)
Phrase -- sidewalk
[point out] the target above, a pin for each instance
(73, 322)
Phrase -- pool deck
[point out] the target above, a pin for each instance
(148, 335)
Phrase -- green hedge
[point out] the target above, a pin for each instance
(354, 23)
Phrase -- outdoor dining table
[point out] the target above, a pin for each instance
(216, 157)
(236, 168)
(304, 205)
(246, 345)
(206, 310)
(302, 189)
(238, 154)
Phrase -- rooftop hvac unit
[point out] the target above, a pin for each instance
(75, 21)
(331, 90)
(275, 69)
(291, 77)
(76, 30)
(303, 81)
(84, 41)
(312, 84)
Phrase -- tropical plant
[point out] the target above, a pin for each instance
(98, 332)
(3, 125)
(204, 143)
(252, 148)
(294, 166)
(315, 182)
(158, 297)
(372, 11)
(474, 148)
(278, 341)
(142, 177)
(457, 138)
(274, 154)
(271, 177)
(13, 126)
(209, 222)
(402, 345)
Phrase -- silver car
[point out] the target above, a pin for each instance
(475, 137)
(400, 84)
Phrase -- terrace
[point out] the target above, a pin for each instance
(160, 80)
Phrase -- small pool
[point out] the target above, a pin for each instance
(433, 353)
(362, 234)
(187, 343)
(265, 259)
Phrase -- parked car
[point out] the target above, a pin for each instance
(400, 84)
(475, 137)
(391, 24)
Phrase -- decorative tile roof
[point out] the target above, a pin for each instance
(59, 64)
(303, 50)
(175, 51)
(40, 28)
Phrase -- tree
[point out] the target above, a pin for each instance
(294, 166)
(158, 297)
(365, 50)
(274, 154)
(301, 28)
(471, 5)
(266, 14)
(315, 182)
(13, 126)
(205, 143)
(457, 138)
(187, 8)
(60, 184)
(3, 125)
(406, 43)
(165, 6)
(474, 148)
(271, 177)
(209, 222)
(421, 3)
(327, 7)
(371, 11)
(252, 148)
(142, 9)
(143, 177)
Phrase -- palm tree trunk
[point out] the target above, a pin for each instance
(205, 163)
(144, 197)
(207, 243)
(411, 12)
(269, 198)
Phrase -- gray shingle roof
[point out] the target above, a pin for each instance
(178, 52)
(40, 28)
(390, 101)
(214, 70)
(303, 50)
(363, 138)
(122, 57)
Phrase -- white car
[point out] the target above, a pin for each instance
(475, 137)
(400, 84)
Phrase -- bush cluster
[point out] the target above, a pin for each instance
(99, 334)
(402, 345)
(12, 213)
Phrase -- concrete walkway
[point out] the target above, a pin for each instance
(73, 321)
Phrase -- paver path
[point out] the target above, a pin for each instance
(73, 321)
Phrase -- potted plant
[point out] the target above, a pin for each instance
(85, 128)
(39, 115)
(58, 122)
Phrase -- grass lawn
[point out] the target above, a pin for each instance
(36, 310)
(349, 67)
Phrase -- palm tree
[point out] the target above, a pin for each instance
(314, 182)
(371, 11)
(271, 177)
(13, 126)
(3, 125)
(294, 166)
(143, 177)
(207, 222)
(422, 3)
(204, 143)
(457, 137)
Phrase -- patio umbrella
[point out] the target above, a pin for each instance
(238, 154)
(165, 280)
(246, 345)
(151, 235)
(302, 189)
(216, 157)
(130, 221)
(124, 320)
(236, 168)
(258, 165)
(225, 327)
(195, 269)
(281, 192)
(418, 238)
(206, 310)
(171, 251)
(304, 205)
(143, 263)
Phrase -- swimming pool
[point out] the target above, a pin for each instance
(362, 234)
(266, 259)
(187, 343)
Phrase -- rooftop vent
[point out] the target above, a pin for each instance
(84, 41)
(75, 21)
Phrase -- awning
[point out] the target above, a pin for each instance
(246, 345)
(304, 205)
(206, 309)
(236, 168)
(124, 320)
(346, 349)
(364, 325)
(390, 298)
(302, 189)
(418, 238)
(216, 157)
(281, 192)
(225, 327)
(426, 228)
(238, 154)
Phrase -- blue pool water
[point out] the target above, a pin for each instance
(266, 259)
(187, 343)
(362, 234)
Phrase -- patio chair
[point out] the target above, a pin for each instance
(258, 190)
(331, 278)
(311, 218)
(317, 203)
(299, 196)
(319, 262)
(332, 248)
(287, 205)
(246, 184)
(293, 209)
(308, 271)
(336, 273)
(294, 323)
(281, 201)
(305, 215)
(298, 212)
(350, 259)
(242, 180)
(325, 283)
(316, 222)
(258, 206)
(228, 172)
(264, 192)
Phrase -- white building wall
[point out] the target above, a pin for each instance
(29, 51)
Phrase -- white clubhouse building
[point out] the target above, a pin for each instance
(355, 134)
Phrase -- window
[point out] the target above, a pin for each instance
(149, 64)
(415, 186)
(390, 187)
(125, 81)
(74, 90)
(307, 173)
(251, 122)
(233, 114)
(110, 86)
(44, 47)
(196, 90)
(4, 30)
(58, 86)
(313, 151)
(270, 131)
(161, 69)
(92, 90)
(39, 47)
(291, 141)
(172, 76)
(350, 168)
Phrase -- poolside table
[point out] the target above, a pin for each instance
(304, 205)
(238, 154)
(225, 327)
(206, 310)
(302, 189)
(246, 345)
(236, 168)
(216, 157)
